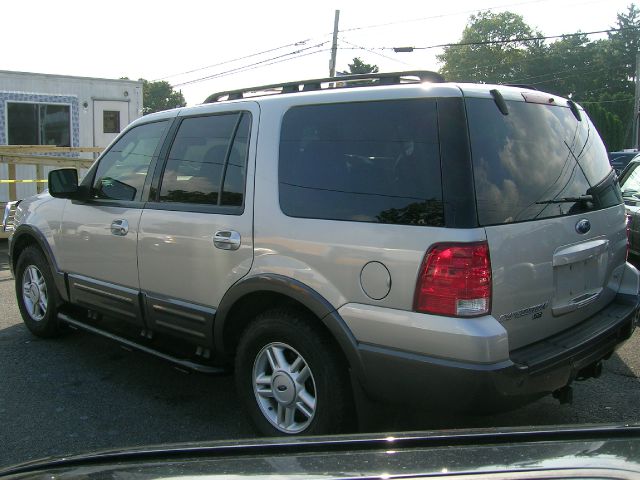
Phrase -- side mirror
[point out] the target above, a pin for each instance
(63, 183)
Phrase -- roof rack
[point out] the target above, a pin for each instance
(345, 81)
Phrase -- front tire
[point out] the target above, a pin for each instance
(36, 293)
(291, 376)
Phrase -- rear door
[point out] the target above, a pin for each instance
(552, 212)
(196, 235)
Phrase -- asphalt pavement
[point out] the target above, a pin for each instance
(81, 393)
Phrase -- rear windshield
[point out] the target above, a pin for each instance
(367, 162)
(535, 161)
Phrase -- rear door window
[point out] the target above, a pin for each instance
(527, 163)
(208, 156)
(369, 162)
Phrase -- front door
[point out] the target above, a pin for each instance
(109, 119)
(99, 237)
(196, 238)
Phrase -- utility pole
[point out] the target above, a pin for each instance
(636, 104)
(334, 46)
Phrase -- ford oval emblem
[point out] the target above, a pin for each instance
(583, 226)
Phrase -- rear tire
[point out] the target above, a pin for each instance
(36, 293)
(291, 377)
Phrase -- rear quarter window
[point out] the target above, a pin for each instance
(369, 162)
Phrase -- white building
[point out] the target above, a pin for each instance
(60, 110)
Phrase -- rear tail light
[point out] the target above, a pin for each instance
(455, 280)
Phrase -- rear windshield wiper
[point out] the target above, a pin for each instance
(581, 198)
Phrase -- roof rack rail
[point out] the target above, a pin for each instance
(345, 81)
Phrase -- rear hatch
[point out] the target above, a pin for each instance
(551, 208)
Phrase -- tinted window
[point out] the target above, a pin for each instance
(197, 160)
(124, 168)
(39, 124)
(370, 162)
(527, 161)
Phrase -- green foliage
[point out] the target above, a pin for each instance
(496, 63)
(599, 73)
(358, 66)
(608, 124)
(158, 96)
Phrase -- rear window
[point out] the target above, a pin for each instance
(530, 163)
(369, 162)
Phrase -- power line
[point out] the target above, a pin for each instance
(512, 40)
(444, 15)
(262, 63)
(294, 44)
(628, 99)
(573, 71)
(601, 69)
(358, 47)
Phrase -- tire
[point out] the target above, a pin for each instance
(36, 293)
(315, 400)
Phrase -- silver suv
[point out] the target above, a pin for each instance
(389, 237)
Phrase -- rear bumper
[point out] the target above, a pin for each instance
(530, 372)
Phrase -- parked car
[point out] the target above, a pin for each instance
(630, 186)
(449, 245)
(619, 160)
(603, 452)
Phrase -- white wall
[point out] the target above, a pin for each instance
(86, 90)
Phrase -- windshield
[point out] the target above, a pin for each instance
(531, 163)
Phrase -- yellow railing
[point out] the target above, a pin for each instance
(36, 155)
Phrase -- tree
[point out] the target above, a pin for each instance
(160, 95)
(623, 46)
(600, 74)
(358, 66)
(489, 63)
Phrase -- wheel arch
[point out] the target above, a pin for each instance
(261, 292)
(27, 235)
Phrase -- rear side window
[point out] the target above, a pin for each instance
(530, 163)
(368, 162)
(208, 156)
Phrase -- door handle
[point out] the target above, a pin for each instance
(226, 240)
(119, 227)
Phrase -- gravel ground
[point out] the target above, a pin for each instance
(80, 393)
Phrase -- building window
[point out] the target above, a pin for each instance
(111, 121)
(39, 124)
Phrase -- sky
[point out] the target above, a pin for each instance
(163, 39)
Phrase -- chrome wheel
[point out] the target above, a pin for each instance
(284, 388)
(34, 293)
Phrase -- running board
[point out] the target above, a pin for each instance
(178, 361)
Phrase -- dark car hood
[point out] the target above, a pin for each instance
(587, 451)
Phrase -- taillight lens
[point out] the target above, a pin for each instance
(455, 280)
